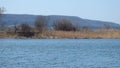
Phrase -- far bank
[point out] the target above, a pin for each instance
(54, 34)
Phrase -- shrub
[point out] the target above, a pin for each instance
(25, 30)
(40, 23)
(64, 25)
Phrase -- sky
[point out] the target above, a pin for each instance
(104, 10)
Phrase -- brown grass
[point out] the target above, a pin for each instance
(83, 34)
(69, 34)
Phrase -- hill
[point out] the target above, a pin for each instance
(10, 19)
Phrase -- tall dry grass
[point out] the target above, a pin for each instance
(83, 34)
(109, 33)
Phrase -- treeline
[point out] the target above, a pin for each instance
(40, 25)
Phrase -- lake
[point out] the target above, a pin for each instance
(59, 53)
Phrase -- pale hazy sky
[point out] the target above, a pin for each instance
(105, 10)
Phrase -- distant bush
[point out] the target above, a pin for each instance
(26, 34)
(25, 30)
(64, 25)
(40, 23)
(2, 10)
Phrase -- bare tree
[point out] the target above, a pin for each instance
(2, 10)
(25, 28)
(2, 24)
(76, 26)
(41, 23)
(64, 25)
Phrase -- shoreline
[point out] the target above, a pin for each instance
(52, 34)
(57, 38)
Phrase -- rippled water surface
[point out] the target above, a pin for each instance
(59, 53)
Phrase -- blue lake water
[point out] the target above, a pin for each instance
(59, 53)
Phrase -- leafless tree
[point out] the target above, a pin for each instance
(64, 24)
(2, 10)
(76, 26)
(25, 28)
(2, 24)
(41, 23)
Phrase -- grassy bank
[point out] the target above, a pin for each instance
(67, 34)
(84, 34)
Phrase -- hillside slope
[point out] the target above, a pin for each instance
(10, 19)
